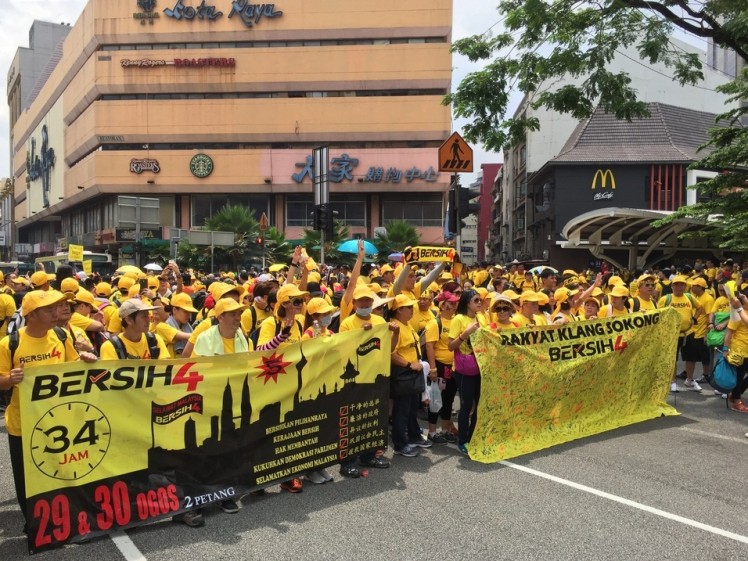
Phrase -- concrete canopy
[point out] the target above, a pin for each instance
(611, 229)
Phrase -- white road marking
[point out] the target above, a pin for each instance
(627, 502)
(126, 546)
(714, 435)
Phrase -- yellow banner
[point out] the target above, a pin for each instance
(429, 253)
(75, 252)
(88, 267)
(548, 385)
(148, 439)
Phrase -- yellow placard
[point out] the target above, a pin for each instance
(75, 252)
(424, 253)
(88, 267)
(548, 385)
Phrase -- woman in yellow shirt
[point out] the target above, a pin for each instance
(465, 323)
(443, 375)
(406, 433)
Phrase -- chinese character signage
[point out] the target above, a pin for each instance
(344, 168)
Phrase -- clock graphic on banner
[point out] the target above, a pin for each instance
(70, 440)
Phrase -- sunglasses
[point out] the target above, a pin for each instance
(476, 300)
(503, 309)
(648, 284)
(296, 302)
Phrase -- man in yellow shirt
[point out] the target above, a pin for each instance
(40, 340)
(135, 340)
(690, 310)
(695, 349)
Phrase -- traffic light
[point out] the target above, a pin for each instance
(466, 208)
(452, 211)
(324, 220)
(259, 240)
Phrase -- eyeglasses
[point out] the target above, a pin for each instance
(503, 309)
(296, 302)
(648, 284)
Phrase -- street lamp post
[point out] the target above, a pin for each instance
(8, 195)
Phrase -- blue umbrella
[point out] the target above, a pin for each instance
(351, 246)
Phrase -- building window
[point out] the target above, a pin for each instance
(351, 210)
(419, 209)
(205, 206)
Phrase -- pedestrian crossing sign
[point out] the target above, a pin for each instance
(455, 155)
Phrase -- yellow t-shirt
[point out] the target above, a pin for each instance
(133, 349)
(34, 351)
(268, 331)
(608, 311)
(420, 319)
(682, 305)
(79, 320)
(441, 350)
(204, 325)
(702, 322)
(721, 304)
(739, 342)
(7, 309)
(247, 325)
(407, 343)
(354, 322)
(461, 322)
(169, 334)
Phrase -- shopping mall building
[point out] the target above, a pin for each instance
(153, 114)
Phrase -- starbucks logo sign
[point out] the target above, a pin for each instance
(201, 165)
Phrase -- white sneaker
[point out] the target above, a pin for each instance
(315, 477)
(692, 385)
(674, 387)
(325, 474)
(720, 394)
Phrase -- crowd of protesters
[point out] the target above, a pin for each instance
(431, 310)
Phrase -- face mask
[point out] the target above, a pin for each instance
(363, 312)
(325, 321)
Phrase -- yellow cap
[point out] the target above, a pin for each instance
(183, 301)
(402, 300)
(40, 299)
(318, 306)
(227, 305)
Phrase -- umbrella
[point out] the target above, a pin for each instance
(351, 246)
(398, 257)
(540, 268)
(154, 267)
(128, 269)
(275, 267)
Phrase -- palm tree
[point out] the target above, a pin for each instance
(312, 238)
(400, 234)
(240, 220)
(277, 249)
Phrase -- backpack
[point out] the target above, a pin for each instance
(119, 346)
(14, 340)
(724, 376)
(335, 323)
(198, 299)
(637, 304)
(255, 335)
(16, 322)
(694, 303)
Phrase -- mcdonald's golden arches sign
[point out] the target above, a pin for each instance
(602, 178)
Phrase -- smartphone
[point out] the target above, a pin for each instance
(143, 284)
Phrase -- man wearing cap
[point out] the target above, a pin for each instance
(217, 290)
(38, 340)
(617, 306)
(40, 280)
(135, 318)
(695, 349)
(7, 309)
(260, 308)
(645, 297)
(176, 329)
(689, 310)
(529, 312)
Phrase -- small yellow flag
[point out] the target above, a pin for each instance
(88, 267)
(75, 252)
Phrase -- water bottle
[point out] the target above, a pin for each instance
(316, 329)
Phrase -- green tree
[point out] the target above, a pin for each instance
(277, 249)
(542, 42)
(400, 234)
(241, 221)
(312, 243)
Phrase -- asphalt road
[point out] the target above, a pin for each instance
(671, 488)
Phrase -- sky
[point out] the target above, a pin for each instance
(470, 17)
